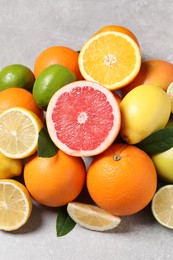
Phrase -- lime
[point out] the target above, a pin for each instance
(49, 81)
(164, 161)
(16, 75)
(9, 167)
(162, 206)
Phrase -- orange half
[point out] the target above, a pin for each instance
(112, 59)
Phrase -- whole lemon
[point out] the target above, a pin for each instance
(9, 167)
(144, 110)
(49, 81)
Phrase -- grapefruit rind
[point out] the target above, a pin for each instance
(112, 133)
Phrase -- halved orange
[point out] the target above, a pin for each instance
(118, 28)
(110, 58)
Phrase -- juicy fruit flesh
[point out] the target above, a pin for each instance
(92, 217)
(83, 118)
(162, 206)
(109, 62)
(111, 58)
(15, 205)
(19, 132)
(75, 120)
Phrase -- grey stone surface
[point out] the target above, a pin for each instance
(27, 27)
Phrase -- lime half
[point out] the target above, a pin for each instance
(162, 206)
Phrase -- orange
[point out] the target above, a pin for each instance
(110, 58)
(62, 55)
(122, 180)
(54, 181)
(157, 72)
(18, 97)
(118, 28)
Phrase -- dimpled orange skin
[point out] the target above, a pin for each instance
(19, 97)
(118, 28)
(54, 181)
(157, 72)
(62, 55)
(122, 180)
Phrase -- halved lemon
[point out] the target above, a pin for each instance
(15, 205)
(110, 58)
(170, 94)
(19, 130)
(162, 206)
(92, 217)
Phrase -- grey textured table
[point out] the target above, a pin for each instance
(26, 28)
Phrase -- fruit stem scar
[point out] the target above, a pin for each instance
(109, 59)
(82, 117)
(116, 157)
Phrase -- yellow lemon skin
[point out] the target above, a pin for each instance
(9, 167)
(144, 110)
(164, 165)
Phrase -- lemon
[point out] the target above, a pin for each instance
(92, 217)
(170, 94)
(144, 110)
(49, 81)
(15, 205)
(9, 167)
(162, 206)
(19, 130)
(16, 75)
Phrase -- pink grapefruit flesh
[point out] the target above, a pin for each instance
(83, 118)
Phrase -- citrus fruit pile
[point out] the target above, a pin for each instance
(103, 102)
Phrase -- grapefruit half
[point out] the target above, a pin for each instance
(83, 118)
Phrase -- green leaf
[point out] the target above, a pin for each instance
(158, 141)
(64, 223)
(46, 148)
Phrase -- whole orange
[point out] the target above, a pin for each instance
(62, 55)
(118, 28)
(157, 72)
(122, 180)
(54, 181)
(19, 97)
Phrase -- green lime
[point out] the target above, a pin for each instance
(16, 75)
(49, 81)
(164, 161)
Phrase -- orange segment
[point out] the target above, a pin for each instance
(112, 59)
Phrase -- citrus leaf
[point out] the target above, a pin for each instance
(158, 141)
(46, 148)
(64, 223)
